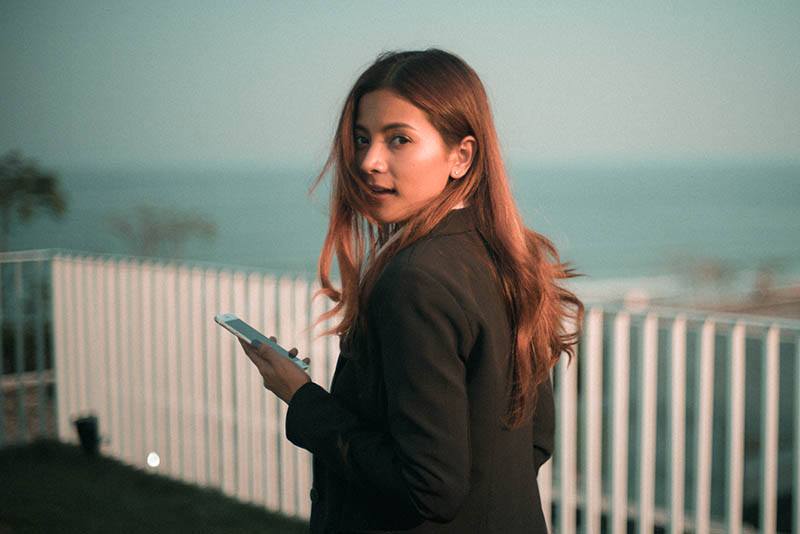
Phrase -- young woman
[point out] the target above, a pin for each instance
(440, 411)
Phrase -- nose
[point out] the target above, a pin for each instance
(374, 160)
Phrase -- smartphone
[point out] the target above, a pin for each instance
(245, 332)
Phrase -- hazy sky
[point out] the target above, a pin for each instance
(260, 83)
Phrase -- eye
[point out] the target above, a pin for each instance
(360, 141)
(402, 140)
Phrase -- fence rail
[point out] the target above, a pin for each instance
(670, 418)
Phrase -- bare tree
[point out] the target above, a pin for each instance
(156, 231)
(26, 189)
(703, 277)
(767, 275)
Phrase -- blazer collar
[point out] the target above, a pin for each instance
(456, 221)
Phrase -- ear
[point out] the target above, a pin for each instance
(461, 156)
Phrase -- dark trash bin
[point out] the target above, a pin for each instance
(88, 434)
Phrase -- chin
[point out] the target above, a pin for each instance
(385, 216)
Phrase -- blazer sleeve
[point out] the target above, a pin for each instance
(423, 459)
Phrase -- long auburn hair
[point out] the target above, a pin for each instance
(526, 263)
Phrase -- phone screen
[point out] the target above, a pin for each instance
(244, 328)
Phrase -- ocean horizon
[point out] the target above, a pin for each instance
(609, 222)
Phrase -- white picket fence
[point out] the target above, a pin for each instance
(135, 344)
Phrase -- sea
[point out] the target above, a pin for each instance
(609, 221)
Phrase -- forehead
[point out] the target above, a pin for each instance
(381, 107)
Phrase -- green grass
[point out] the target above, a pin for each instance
(49, 486)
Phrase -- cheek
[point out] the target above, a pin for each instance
(426, 171)
(359, 157)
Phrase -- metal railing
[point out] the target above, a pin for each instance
(26, 381)
(667, 417)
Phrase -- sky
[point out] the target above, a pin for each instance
(185, 83)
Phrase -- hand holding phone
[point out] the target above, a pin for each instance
(247, 333)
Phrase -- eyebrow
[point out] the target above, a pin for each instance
(390, 126)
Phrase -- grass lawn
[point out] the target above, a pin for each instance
(48, 486)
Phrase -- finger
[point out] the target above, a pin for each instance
(307, 360)
(273, 338)
(251, 351)
(294, 351)
(244, 345)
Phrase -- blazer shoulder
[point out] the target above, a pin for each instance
(439, 254)
(408, 299)
(409, 274)
(435, 266)
(448, 251)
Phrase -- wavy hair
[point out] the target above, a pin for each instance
(526, 263)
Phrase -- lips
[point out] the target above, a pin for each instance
(382, 190)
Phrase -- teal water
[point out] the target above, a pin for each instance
(608, 221)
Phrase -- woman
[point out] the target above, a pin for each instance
(440, 411)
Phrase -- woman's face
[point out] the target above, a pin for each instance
(401, 155)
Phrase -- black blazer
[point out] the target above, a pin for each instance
(409, 437)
